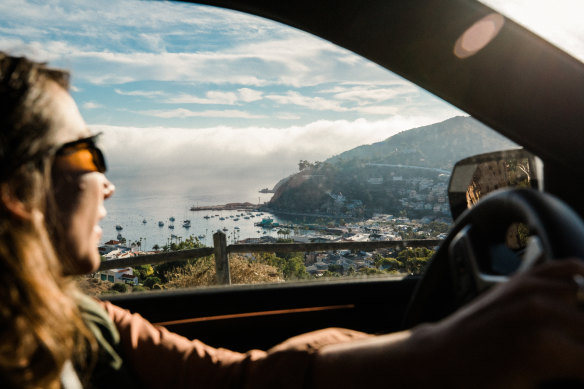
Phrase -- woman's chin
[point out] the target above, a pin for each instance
(85, 265)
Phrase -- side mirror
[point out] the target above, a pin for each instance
(478, 175)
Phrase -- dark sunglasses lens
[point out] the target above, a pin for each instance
(99, 160)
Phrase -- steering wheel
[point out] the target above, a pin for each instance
(475, 255)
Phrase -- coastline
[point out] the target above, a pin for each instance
(227, 207)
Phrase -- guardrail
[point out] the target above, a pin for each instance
(221, 251)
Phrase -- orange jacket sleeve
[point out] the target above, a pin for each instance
(162, 359)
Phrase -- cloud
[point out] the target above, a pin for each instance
(140, 93)
(92, 105)
(229, 146)
(211, 97)
(288, 116)
(315, 103)
(249, 95)
(241, 95)
(187, 113)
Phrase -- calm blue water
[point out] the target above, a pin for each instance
(130, 211)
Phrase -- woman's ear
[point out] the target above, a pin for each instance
(13, 204)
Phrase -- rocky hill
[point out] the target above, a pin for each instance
(366, 179)
(438, 145)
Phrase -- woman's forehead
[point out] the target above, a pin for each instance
(67, 124)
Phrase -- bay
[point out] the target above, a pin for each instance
(139, 216)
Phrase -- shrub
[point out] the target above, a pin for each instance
(138, 288)
(122, 288)
(151, 281)
(202, 273)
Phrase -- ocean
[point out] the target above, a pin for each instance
(131, 210)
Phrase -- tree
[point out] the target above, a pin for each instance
(303, 164)
(338, 269)
(388, 264)
(292, 266)
(143, 271)
(415, 259)
(192, 242)
(151, 281)
(295, 269)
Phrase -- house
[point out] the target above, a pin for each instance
(125, 275)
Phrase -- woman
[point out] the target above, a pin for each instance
(42, 330)
(52, 190)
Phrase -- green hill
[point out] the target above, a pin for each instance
(438, 145)
(369, 180)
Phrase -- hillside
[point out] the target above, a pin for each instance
(365, 179)
(438, 145)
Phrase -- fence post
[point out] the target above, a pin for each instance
(223, 275)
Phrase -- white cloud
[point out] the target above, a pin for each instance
(231, 146)
(211, 97)
(140, 93)
(387, 110)
(287, 116)
(316, 103)
(249, 95)
(186, 113)
(92, 105)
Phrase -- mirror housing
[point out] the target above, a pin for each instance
(475, 176)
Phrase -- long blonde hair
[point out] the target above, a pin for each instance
(40, 325)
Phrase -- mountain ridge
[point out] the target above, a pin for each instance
(376, 177)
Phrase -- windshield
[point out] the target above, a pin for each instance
(559, 21)
(220, 123)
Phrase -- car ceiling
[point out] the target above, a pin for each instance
(519, 85)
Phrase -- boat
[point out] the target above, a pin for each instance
(266, 222)
(236, 228)
(119, 228)
(186, 224)
(221, 218)
(172, 218)
(236, 219)
(160, 224)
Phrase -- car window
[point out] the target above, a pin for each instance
(219, 125)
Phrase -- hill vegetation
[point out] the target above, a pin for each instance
(375, 178)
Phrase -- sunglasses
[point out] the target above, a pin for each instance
(82, 155)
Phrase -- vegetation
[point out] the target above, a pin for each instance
(365, 175)
(202, 273)
(409, 260)
(290, 266)
(118, 287)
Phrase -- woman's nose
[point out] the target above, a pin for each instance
(108, 189)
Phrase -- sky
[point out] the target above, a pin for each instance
(197, 99)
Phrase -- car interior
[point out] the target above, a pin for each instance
(518, 84)
(482, 63)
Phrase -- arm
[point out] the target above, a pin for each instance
(162, 359)
(517, 335)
